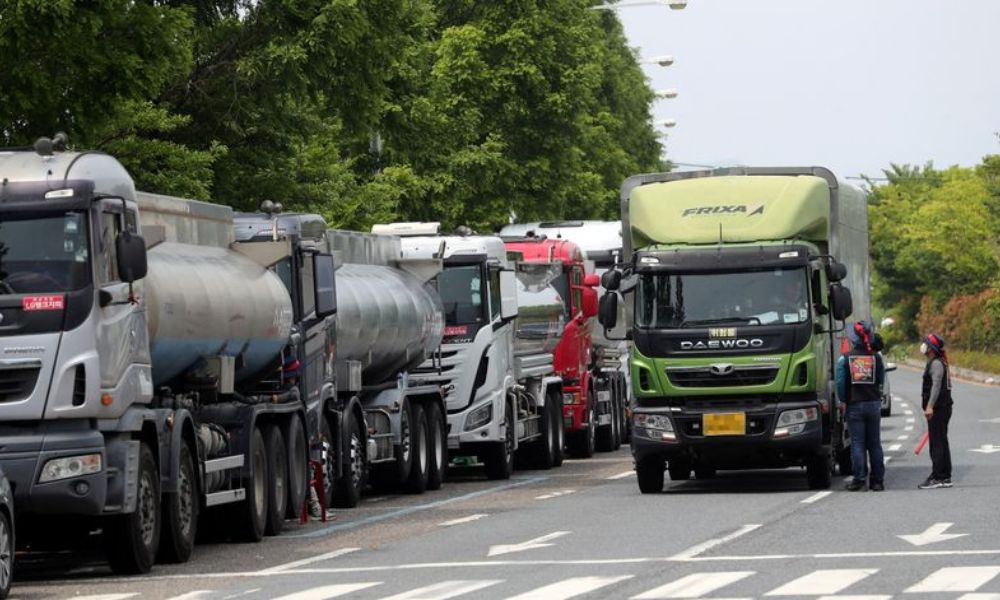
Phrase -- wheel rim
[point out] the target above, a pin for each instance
(6, 555)
(422, 453)
(438, 445)
(355, 461)
(147, 510)
(404, 427)
(592, 434)
(185, 511)
(330, 466)
(259, 489)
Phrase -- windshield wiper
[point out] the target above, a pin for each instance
(744, 320)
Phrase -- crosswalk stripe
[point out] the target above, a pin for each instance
(567, 588)
(445, 589)
(329, 591)
(955, 579)
(863, 597)
(695, 585)
(822, 582)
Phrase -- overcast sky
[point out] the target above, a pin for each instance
(847, 84)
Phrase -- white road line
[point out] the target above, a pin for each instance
(307, 561)
(467, 519)
(107, 596)
(695, 585)
(445, 590)
(955, 579)
(911, 420)
(822, 582)
(624, 475)
(886, 459)
(907, 412)
(554, 495)
(903, 437)
(869, 597)
(979, 597)
(567, 588)
(192, 595)
(242, 594)
(817, 497)
(697, 549)
(329, 591)
(908, 428)
(895, 447)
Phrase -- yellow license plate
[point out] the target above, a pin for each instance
(724, 423)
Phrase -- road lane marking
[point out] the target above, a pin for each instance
(908, 428)
(817, 497)
(863, 597)
(705, 546)
(107, 596)
(979, 597)
(903, 437)
(932, 535)
(907, 412)
(554, 495)
(624, 475)
(911, 420)
(568, 588)
(822, 582)
(895, 447)
(955, 579)
(467, 519)
(695, 585)
(532, 544)
(329, 591)
(192, 595)
(446, 589)
(330, 529)
(307, 561)
(242, 594)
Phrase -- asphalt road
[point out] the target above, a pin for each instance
(585, 531)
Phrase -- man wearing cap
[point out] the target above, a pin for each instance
(860, 376)
(937, 403)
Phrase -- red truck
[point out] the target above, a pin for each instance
(593, 402)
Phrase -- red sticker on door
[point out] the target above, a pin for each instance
(453, 330)
(38, 303)
(862, 369)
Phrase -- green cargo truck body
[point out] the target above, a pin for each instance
(737, 293)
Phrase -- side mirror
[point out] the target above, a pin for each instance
(890, 367)
(611, 280)
(131, 251)
(591, 280)
(836, 271)
(508, 294)
(324, 285)
(590, 304)
(608, 310)
(841, 302)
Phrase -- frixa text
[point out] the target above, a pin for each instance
(742, 343)
(756, 209)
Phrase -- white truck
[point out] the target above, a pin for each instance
(502, 321)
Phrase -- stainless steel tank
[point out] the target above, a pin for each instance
(210, 301)
(387, 319)
(541, 317)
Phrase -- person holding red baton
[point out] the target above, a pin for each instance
(937, 403)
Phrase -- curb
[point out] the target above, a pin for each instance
(960, 373)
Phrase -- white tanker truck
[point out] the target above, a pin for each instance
(502, 321)
(144, 381)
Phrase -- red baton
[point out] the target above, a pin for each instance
(923, 442)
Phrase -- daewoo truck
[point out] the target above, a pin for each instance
(502, 323)
(592, 408)
(601, 243)
(740, 281)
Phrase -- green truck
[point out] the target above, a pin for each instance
(737, 284)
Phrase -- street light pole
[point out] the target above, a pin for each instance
(663, 61)
(673, 4)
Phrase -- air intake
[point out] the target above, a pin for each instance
(79, 386)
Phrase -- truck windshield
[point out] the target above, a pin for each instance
(699, 300)
(461, 289)
(44, 254)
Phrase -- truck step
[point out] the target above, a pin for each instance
(225, 497)
(222, 464)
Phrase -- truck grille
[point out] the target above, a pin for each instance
(17, 384)
(722, 375)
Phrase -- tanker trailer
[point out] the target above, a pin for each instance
(502, 398)
(145, 367)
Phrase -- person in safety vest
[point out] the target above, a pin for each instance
(937, 403)
(860, 376)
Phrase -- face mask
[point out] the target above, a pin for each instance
(923, 348)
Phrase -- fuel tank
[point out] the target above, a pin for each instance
(541, 313)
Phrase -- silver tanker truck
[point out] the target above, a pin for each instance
(502, 322)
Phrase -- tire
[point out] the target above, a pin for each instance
(649, 473)
(277, 481)
(605, 434)
(438, 444)
(330, 462)
(388, 477)
(133, 539)
(887, 411)
(348, 487)
(416, 482)
(704, 473)
(180, 513)
(680, 469)
(556, 406)
(583, 443)
(616, 424)
(499, 459)
(251, 514)
(845, 466)
(298, 467)
(6, 554)
(543, 451)
(818, 472)
(626, 425)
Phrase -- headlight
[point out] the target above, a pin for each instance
(479, 417)
(657, 427)
(70, 466)
(792, 422)
(571, 397)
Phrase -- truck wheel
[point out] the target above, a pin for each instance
(330, 460)
(680, 469)
(348, 487)
(251, 518)
(845, 466)
(605, 434)
(438, 444)
(818, 472)
(298, 467)
(416, 483)
(6, 554)
(499, 460)
(649, 473)
(616, 423)
(277, 482)
(180, 513)
(132, 539)
(543, 451)
(583, 442)
(556, 415)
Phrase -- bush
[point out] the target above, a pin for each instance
(966, 322)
